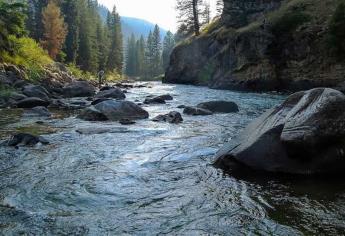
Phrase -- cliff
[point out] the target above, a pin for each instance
(261, 45)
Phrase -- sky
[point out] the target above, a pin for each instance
(161, 12)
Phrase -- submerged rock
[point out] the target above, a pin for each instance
(126, 122)
(173, 117)
(195, 111)
(38, 111)
(31, 102)
(219, 106)
(114, 110)
(79, 89)
(26, 140)
(304, 135)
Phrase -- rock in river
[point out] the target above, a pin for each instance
(31, 102)
(26, 140)
(114, 110)
(111, 93)
(173, 117)
(195, 111)
(36, 91)
(158, 99)
(304, 135)
(219, 106)
(79, 89)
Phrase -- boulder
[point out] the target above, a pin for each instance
(155, 100)
(26, 140)
(99, 100)
(304, 135)
(195, 111)
(117, 110)
(17, 96)
(113, 110)
(31, 102)
(173, 117)
(92, 114)
(111, 93)
(158, 99)
(219, 106)
(79, 89)
(36, 91)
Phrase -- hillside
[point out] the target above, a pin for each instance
(132, 25)
(262, 46)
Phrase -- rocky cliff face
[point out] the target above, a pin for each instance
(261, 45)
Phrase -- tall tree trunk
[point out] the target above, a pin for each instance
(196, 18)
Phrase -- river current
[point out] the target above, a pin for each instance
(154, 178)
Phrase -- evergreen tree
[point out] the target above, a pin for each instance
(71, 12)
(157, 52)
(140, 56)
(205, 14)
(148, 70)
(219, 7)
(12, 20)
(55, 29)
(188, 15)
(131, 56)
(115, 58)
(168, 46)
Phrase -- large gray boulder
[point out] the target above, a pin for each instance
(36, 91)
(114, 110)
(31, 102)
(304, 135)
(115, 93)
(196, 111)
(219, 106)
(79, 89)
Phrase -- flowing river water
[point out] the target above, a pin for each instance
(154, 178)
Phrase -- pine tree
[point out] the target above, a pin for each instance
(55, 29)
(157, 52)
(168, 46)
(140, 56)
(148, 70)
(188, 15)
(205, 14)
(72, 18)
(219, 7)
(115, 58)
(131, 56)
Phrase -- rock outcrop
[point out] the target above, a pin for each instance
(251, 50)
(304, 135)
(219, 106)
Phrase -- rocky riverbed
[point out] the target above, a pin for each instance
(149, 177)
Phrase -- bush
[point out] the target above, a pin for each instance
(289, 21)
(27, 53)
(337, 30)
(113, 77)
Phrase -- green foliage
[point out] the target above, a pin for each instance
(288, 18)
(206, 73)
(212, 26)
(12, 21)
(168, 46)
(337, 30)
(113, 77)
(28, 54)
(78, 73)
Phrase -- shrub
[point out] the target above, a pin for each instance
(289, 21)
(113, 76)
(337, 30)
(27, 53)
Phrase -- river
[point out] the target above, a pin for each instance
(154, 178)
